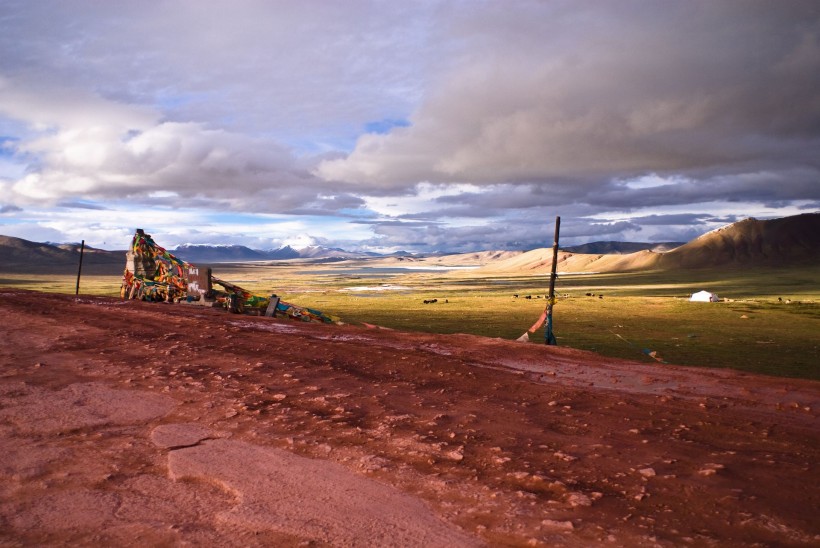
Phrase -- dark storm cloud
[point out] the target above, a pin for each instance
(576, 95)
(328, 205)
(5, 208)
(81, 205)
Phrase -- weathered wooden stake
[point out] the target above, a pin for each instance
(80, 270)
(271, 310)
(549, 336)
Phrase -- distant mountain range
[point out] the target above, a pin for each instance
(750, 243)
(195, 253)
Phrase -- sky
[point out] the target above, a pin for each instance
(421, 126)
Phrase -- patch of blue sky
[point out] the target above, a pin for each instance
(8, 146)
(10, 169)
(12, 129)
(170, 101)
(312, 146)
(234, 218)
(359, 213)
(337, 138)
(130, 134)
(385, 125)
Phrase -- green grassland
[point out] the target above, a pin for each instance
(767, 322)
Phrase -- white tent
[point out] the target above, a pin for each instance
(703, 297)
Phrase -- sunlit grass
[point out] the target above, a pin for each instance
(768, 321)
(60, 283)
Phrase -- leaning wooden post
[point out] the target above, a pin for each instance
(549, 337)
(80, 270)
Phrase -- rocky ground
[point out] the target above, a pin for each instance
(125, 423)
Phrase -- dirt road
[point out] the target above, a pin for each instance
(128, 423)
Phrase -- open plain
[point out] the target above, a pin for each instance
(134, 423)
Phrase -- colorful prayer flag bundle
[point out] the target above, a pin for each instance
(154, 274)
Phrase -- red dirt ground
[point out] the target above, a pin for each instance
(130, 423)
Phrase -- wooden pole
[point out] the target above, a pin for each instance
(549, 336)
(80, 270)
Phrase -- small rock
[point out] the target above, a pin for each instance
(710, 469)
(564, 457)
(647, 472)
(554, 524)
(578, 499)
(278, 397)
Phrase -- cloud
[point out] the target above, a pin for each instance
(588, 92)
(7, 208)
(218, 105)
(82, 205)
(90, 147)
(418, 125)
(677, 219)
(312, 75)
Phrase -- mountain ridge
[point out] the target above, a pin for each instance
(784, 241)
(620, 248)
(780, 242)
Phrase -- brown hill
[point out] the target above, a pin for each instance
(621, 248)
(540, 260)
(777, 242)
(788, 241)
(24, 256)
